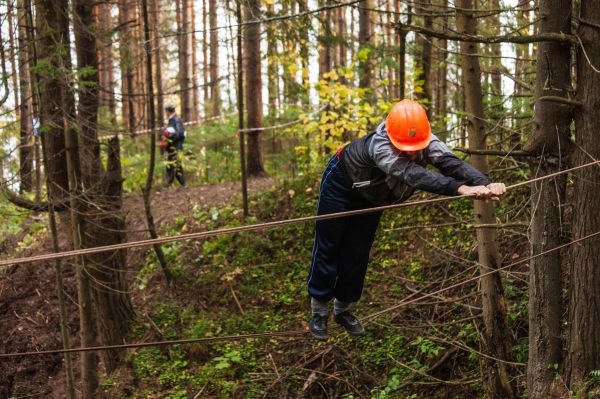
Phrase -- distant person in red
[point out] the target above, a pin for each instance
(381, 168)
(172, 141)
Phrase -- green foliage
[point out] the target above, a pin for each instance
(427, 347)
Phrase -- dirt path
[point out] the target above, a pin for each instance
(29, 318)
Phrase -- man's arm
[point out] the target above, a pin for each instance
(449, 164)
(399, 166)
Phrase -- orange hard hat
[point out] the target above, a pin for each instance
(407, 126)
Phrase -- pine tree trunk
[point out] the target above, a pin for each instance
(324, 44)
(126, 61)
(160, 104)
(194, 65)
(495, 334)
(402, 52)
(583, 354)
(550, 138)
(25, 105)
(107, 92)
(304, 55)
(50, 21)
(442, 77)
(103, 223)
(272, 66)
(423, 61)
(205, 45)
(253, 89)
(10, 15)
(185, 85)
(215, 93)
(365, 42)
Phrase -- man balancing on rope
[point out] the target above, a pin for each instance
(383, 167)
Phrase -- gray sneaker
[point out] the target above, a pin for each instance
(350, 323)
(318, 327)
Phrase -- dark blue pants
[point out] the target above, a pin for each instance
(342, 245)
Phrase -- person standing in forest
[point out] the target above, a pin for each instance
(172, 141)
(383, 167)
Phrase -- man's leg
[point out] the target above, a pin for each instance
(354, 258)
(333, 197)
(170, 167)
(179, 170)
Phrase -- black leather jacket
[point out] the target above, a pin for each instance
(385, 175)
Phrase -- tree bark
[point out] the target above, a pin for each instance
(101, 214)
(401, 37)
(324, 45)
(108, 102)
(160, 104)
(495, 337)
(304, 54)
(185, 72)
(52, 36)
(253, 89)
(365, 44)
(272, 65)
(550, 138)
(205, 46)
(10, 15)
(126, 60)
(194, 50)
(147, 189)
(215, 92)
(26, 103)
(423, 62)
(583, 353)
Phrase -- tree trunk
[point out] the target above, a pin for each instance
(272, 65)
(25, 105)
(423, 61)
(26, 21)
(107, 92)
(103, 223)
(324, 43)
(51, 16)
(185, 86)
(495, 337)
(550, 139)
(401, 35)
(205, 45)
(147, 189)
(160, 104)
(127, 60)
(442, 73)
(365, 45)
(215, 93)
(584, 292)
(304, 54)
(253, 89)
(194, 49)
(10, 15)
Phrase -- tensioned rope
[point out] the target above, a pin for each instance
(265, 225)
(291, 333)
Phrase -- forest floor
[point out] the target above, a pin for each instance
(255, 282)
(29, 317)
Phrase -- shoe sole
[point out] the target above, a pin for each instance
(319, 337)
(354, 334)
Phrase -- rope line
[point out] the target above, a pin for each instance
(261, 226)
(291, 333)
